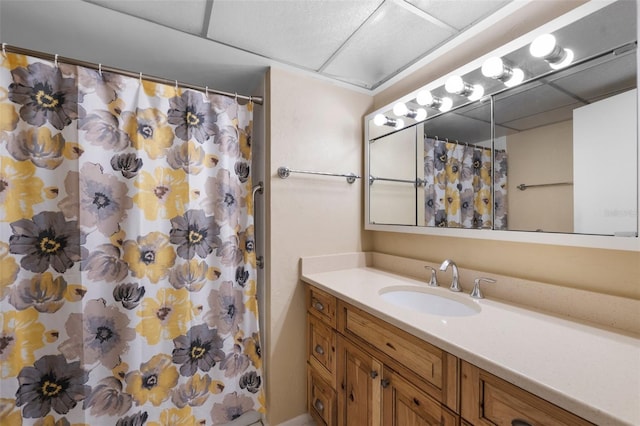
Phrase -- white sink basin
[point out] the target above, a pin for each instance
(431, 301)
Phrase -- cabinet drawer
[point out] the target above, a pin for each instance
(416, 355)
(321, 399)
(321, 348)
(488, 400)
(322, 305)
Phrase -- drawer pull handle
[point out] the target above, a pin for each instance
(374, 374)
(416, 401)
(319, 306)
(318, 405)
(384, 383)
(518, 422)
(319, 350)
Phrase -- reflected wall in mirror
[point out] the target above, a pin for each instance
(555, 154)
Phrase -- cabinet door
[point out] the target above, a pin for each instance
(406, 405)
(489, 400)
(359, 391)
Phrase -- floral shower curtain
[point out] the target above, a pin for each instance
(127, 269)
(458, 186)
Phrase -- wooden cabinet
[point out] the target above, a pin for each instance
(489, 400)
(363, 371)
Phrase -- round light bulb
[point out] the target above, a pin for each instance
(400, 109)
(399, 123)
(566, 61)
(493, 67)
(517, 77)
(421, 114)
(478, 92)
(542, 46)
(379, 120)
(454, 84)
(424, 98)
(446, 104)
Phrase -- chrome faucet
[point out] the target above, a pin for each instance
(455, 286)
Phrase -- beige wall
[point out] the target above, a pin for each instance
(605, 271)
(540, 156)
(313, 125)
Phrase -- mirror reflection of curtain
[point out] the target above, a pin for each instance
(458, 185)
(127, 270)
(500, 189)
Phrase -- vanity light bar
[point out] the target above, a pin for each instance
(383, 120)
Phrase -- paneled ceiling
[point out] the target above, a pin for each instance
(363, 43)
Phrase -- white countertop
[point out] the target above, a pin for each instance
(590, 371)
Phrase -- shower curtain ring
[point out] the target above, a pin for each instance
(4, 49)
(55, 60)
(176, 86)
(235, 97)
(250, 99)
(140, 78)
(100, 69)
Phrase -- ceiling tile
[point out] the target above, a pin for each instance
(183, 15)
(459, 13)
(305, 33)
(389, 41)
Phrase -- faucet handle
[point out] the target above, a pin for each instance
(433, 282)
(476, 293)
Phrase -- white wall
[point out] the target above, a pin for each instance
(313, 126)
(605, 152)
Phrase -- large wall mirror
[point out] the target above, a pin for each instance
(537, 141)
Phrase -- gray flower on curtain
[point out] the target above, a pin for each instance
(192, 117)
(47, 240)
(45, 95)
(227, 308)
(103, 199)
(232, 407)
(107, 398)
(224, 198)
(235, 363)
(51, 383)
(250, 381)
(100, 333)
(137, 419)
(103, 129)
(199, 349)
(104, 264)
(194, 233)
(129, 294)
(127, 164)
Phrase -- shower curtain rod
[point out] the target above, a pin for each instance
(456, 142)
(99, 67)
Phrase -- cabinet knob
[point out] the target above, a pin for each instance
(519, 422)
(384, 383)
(319, 306)
(319, 350)
(374, 374)
(318, 405)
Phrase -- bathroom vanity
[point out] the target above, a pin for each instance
(372, 361)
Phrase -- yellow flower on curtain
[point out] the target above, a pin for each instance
(176, 416)
(252, 349)
(20, 336)
(20, 189)
(482, 202)
(9, 415)
(148, 130)
(14, 60)
(165, 317)
(8, 118)
(452, 200)
(154, 381)
(51, 421)
(163, 193)
(8, 269)
(150, 256)
(250, 294)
